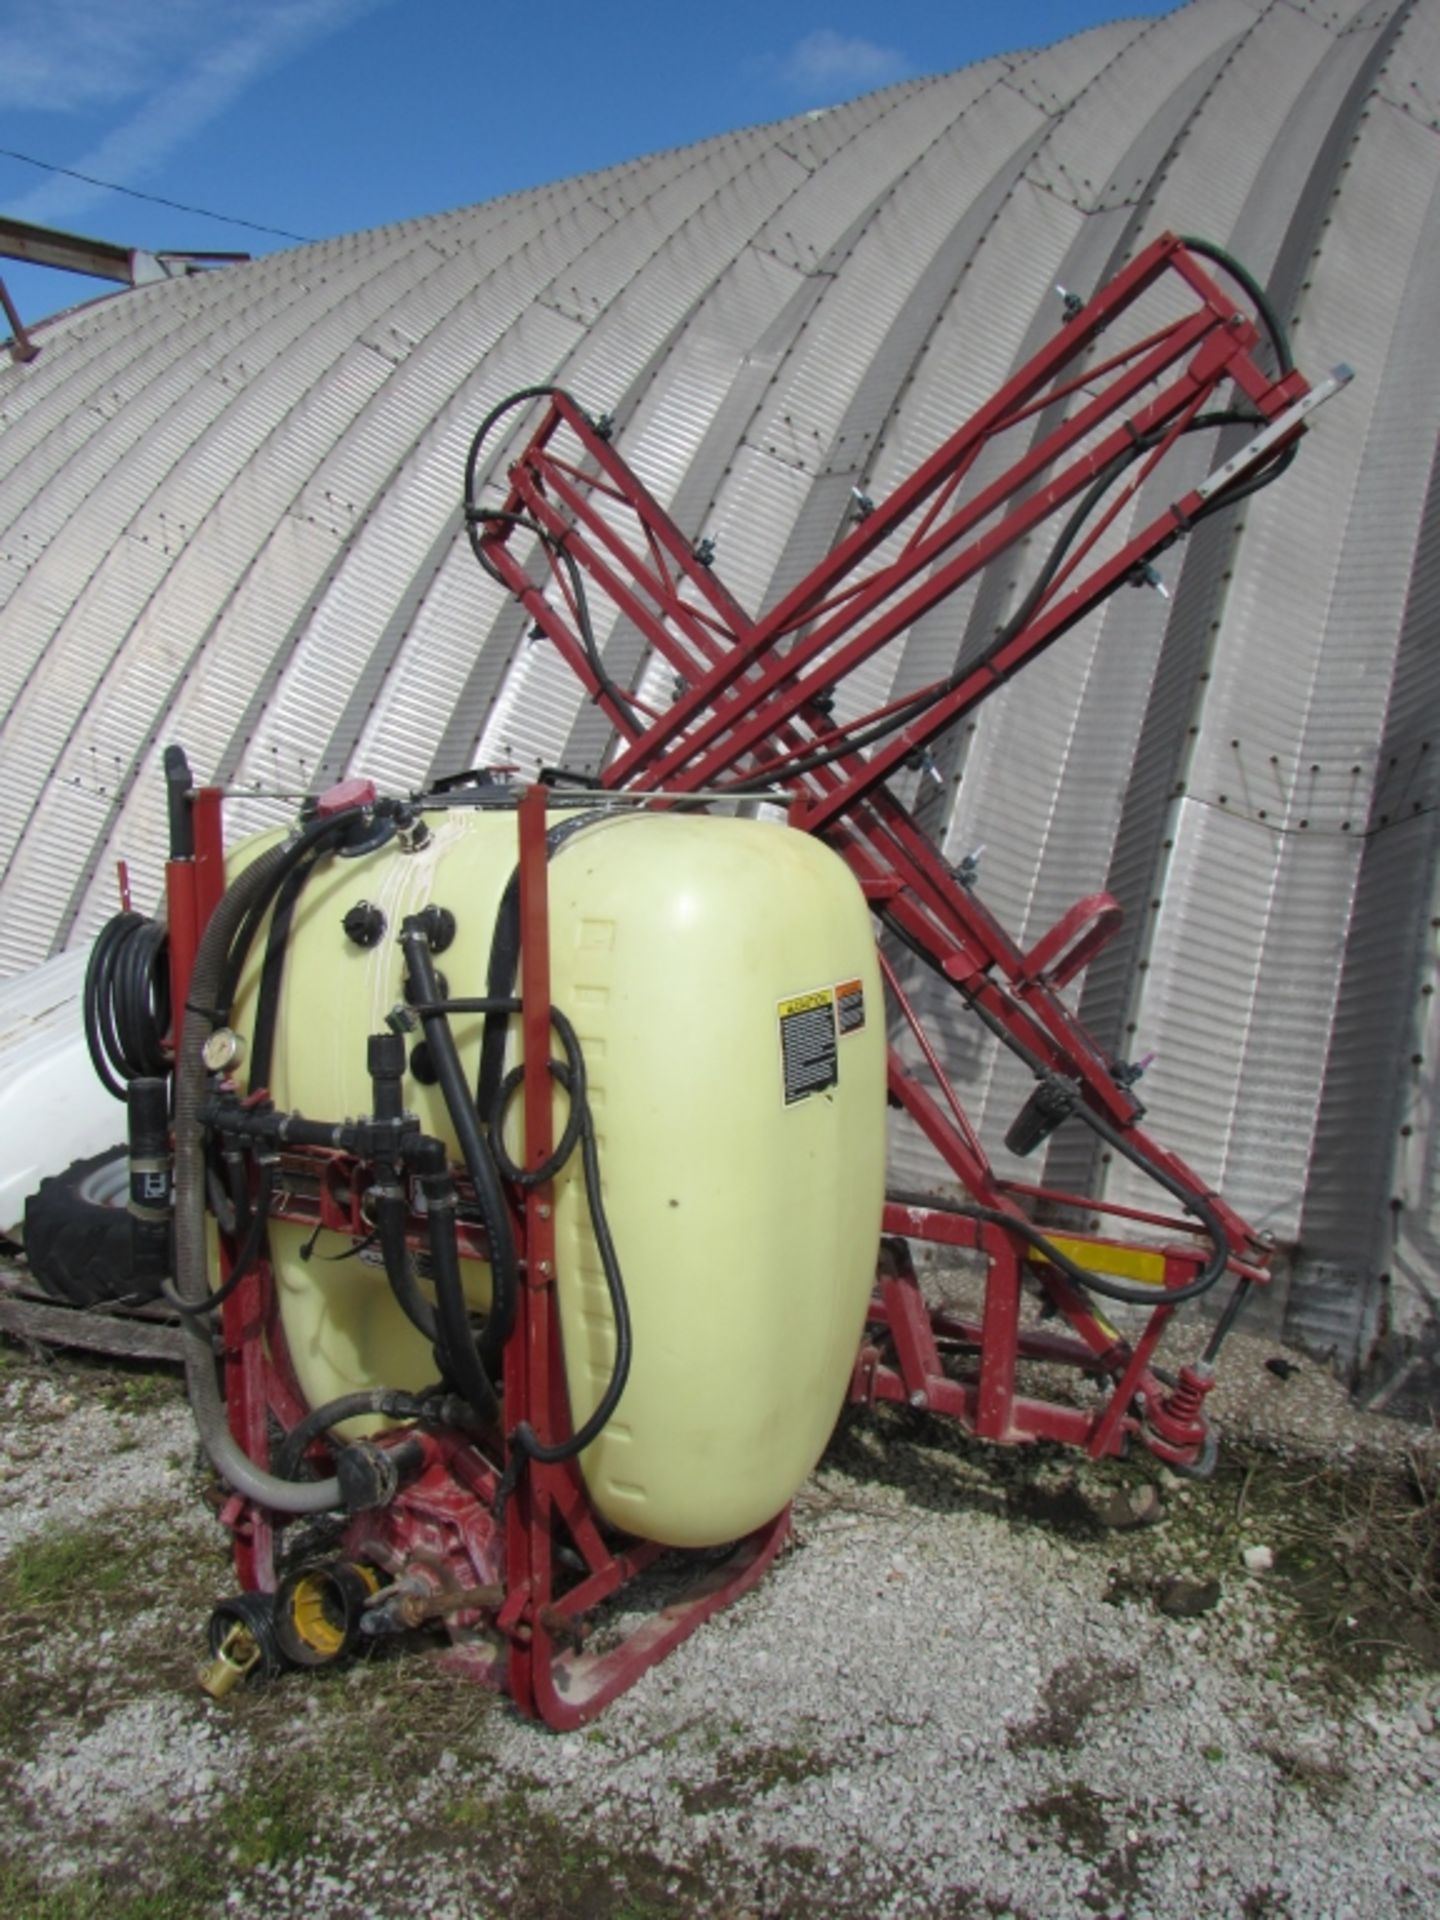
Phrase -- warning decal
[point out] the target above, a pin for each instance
(850, 1006)
(808, 1053)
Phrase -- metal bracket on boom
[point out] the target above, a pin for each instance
(1280, 430)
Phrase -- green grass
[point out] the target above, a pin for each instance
(268, 1824)
(140, 1392)
(179, 1885)
(57, 1568)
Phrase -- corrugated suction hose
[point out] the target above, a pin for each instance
(191, 1254)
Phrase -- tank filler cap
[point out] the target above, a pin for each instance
(343, 796)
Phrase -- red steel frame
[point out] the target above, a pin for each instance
(755, 699)
(515, 1620)
(755, 695)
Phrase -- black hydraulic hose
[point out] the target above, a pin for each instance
(232, 1159)
(477, 445)
(503, 967)
(277, 941)
(385, 1058)
(776, 771)
(221, 1203)
(478, 517)
(1231, 1313)
(493, 516)
(523, 1440)
(1081, 1276)
(566, 1075)
(391, 1402)
(1194, 1203)
(390, 1217)
(1254, 292)
(500, 976)
(311, 840)
(570, 1073)
(479, 1164)
(456, 1344)
(1284, 365)
(580, 1124)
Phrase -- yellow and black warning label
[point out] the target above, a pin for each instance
(809, 1057)
(850, 1007)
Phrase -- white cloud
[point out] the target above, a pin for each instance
(829, 64)
(64, 56)
(167, 67)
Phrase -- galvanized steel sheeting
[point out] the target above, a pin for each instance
(229, 515)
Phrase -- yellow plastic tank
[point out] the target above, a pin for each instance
(721, 975)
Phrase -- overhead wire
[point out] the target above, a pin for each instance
(154, 199)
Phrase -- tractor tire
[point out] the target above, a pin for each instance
(77, 1233)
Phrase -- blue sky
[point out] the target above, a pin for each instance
(317, 117)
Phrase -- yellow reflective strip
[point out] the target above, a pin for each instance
(1125, 1263)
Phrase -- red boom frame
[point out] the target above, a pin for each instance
(754, 709)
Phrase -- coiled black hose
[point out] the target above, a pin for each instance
(127, 1002)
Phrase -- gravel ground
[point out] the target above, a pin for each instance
(957, 1697)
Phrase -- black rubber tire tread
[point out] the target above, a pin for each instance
(78, 1249)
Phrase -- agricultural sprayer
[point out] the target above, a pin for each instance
(528, 1139)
